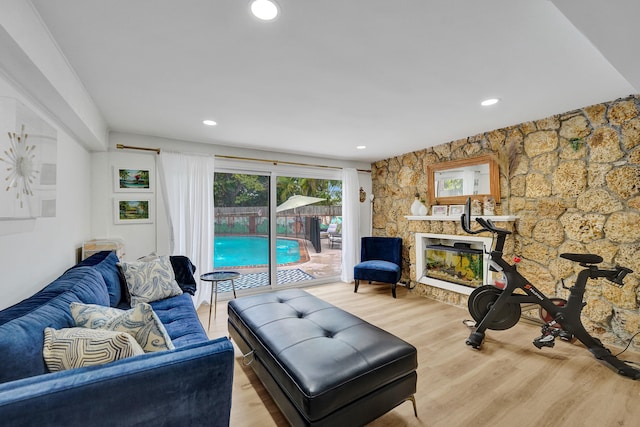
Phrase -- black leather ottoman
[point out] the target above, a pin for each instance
(322, 365)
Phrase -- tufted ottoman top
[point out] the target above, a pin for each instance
(321, 356)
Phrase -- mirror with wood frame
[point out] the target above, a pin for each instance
(451, 183)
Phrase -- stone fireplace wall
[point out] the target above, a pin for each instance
(574, 183)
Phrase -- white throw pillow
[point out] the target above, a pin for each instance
(150, 281)
(141, 322)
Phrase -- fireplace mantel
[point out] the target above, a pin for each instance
(494, 218)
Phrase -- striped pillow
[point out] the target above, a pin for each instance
(141, 322)
(71, 348)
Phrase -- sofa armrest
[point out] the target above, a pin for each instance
(187, 386)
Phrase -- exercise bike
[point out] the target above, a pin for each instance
(499, 309)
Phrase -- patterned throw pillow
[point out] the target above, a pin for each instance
(141, 322)
(150, 281)
(78, 347)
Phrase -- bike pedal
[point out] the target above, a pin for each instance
(564, 335)
(544, 341)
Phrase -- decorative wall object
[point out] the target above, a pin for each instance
(131, 180)
(133, 211)
(28, 161)
(363, 195)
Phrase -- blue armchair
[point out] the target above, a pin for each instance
(381, 261)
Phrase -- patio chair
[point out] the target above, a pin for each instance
(380, 261)
(335, 234)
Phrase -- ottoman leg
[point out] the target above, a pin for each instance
(412, 398)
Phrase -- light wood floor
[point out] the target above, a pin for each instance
(508, 383)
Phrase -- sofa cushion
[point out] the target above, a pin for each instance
(105, 263)
(150, 281)
(179, 317)
(141, 322)
(71, 348)
(22, 337)
(64, 283)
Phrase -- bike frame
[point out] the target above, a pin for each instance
(568, 316)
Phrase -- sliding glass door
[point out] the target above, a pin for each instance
(241, 228)
(276, 229)
(308, 221)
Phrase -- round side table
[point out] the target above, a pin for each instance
(214, 278)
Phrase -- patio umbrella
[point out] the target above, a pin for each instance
(297, 201)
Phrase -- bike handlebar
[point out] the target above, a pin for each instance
(619, 274)
(487, 225)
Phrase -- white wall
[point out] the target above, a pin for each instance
(141, 239)
(46, 247)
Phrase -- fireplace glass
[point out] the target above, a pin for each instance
(459, 264)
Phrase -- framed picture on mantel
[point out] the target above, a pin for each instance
(439, 210)
(456, 210)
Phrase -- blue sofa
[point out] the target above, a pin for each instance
(190, 385)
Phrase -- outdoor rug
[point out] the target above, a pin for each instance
(255, 280)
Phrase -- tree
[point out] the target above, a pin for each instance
(240, 190)
(330, 190)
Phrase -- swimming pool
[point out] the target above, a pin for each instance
(244, 251)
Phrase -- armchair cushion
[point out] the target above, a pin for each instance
(379, 271)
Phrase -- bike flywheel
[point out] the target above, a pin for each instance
(480, 302)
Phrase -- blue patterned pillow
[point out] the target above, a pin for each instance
(141, 322)
(150, 281)
(70, 348)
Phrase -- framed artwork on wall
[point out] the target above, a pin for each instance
(133, 211)
(126, 180)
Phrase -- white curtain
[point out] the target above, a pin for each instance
(350, 223)
(187, 186)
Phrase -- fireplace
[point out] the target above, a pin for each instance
(456, 263)
(459, 264)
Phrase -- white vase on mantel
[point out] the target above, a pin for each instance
(423, 210)
(415, 207)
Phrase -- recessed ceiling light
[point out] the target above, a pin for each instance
(361, 147)
(266, 10)
(209, 122)
(489, 101)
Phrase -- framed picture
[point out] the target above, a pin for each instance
(439, 210)
(456, 210)
(127, 180)
(133, 211)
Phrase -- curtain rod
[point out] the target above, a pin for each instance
(130, 147)
(220, 156)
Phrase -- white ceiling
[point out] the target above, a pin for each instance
(328, 75)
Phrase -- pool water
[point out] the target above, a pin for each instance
(244, 251)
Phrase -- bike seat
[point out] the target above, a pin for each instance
(583, 258)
